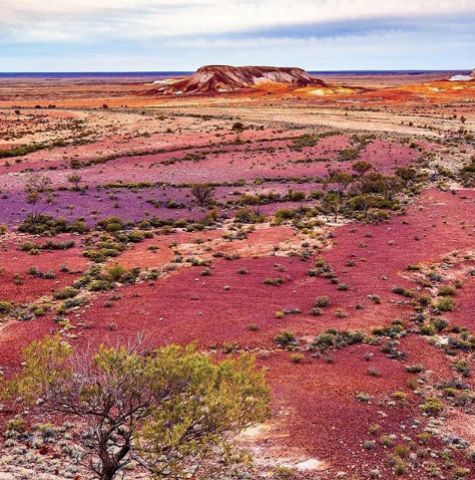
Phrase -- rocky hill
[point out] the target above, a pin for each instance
(226, 78)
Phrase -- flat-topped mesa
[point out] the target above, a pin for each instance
(226, 78)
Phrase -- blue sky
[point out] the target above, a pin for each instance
(117, 35)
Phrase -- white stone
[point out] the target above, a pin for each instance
(310, 464)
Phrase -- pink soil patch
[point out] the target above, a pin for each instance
(141, 167)
(187, 307)
(386, 156)
(464, 306)
(17, 335)
(261, 242)
(17, 263)
(117, 144)
(260, 159)
(418, 351)
(438, 223)
(141, 256)
(315, 402)
(462, 425)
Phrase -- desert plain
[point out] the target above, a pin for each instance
(328, 229)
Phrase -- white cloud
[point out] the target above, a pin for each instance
(388, 50)
(60, 20)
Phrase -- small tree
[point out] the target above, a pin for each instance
(361, 202)
(161, 409)
(332, 203)
(408, 175)
(341, 179)
(38, 189)
(75, 179)
(361, 167)
(392, 185)
(203, 193)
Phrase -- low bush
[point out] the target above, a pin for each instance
(433, 406)
(444, 304)
(285, 339)
(65, 293)
(50, 226)
(5, 308)
(337, 339)
(322, 301)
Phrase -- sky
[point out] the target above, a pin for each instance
(182, 35)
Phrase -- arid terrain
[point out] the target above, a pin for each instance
(328, 228)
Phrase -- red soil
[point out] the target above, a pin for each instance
(419, 351)
(438, 223)
(16, 263)
(186, 306)
(316, 402)
(464, 306)
(141, 255)
(17, 335)
(188, 299)
(313, 402)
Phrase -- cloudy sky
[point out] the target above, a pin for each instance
(145, 35)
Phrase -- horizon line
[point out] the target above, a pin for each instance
(192, 71)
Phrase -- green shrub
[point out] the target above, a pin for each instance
(433, 406)
(322, 301)
(445, 304)
(99, 285)
(115, 272)
(135, 236)
(295, 196)
(404, 292)
(285, 339)
(340, 313)
(462, 366)
(64, 293)
(440, 324)
(5, 308)
(16, 424)
(394, 331)
(428, 329)
(246, 215)
(446, 291)
(337, 339)
(150, 399)
(417, 368)
(44, 225)
(285, 214)
(111, 224)
(387, 440)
